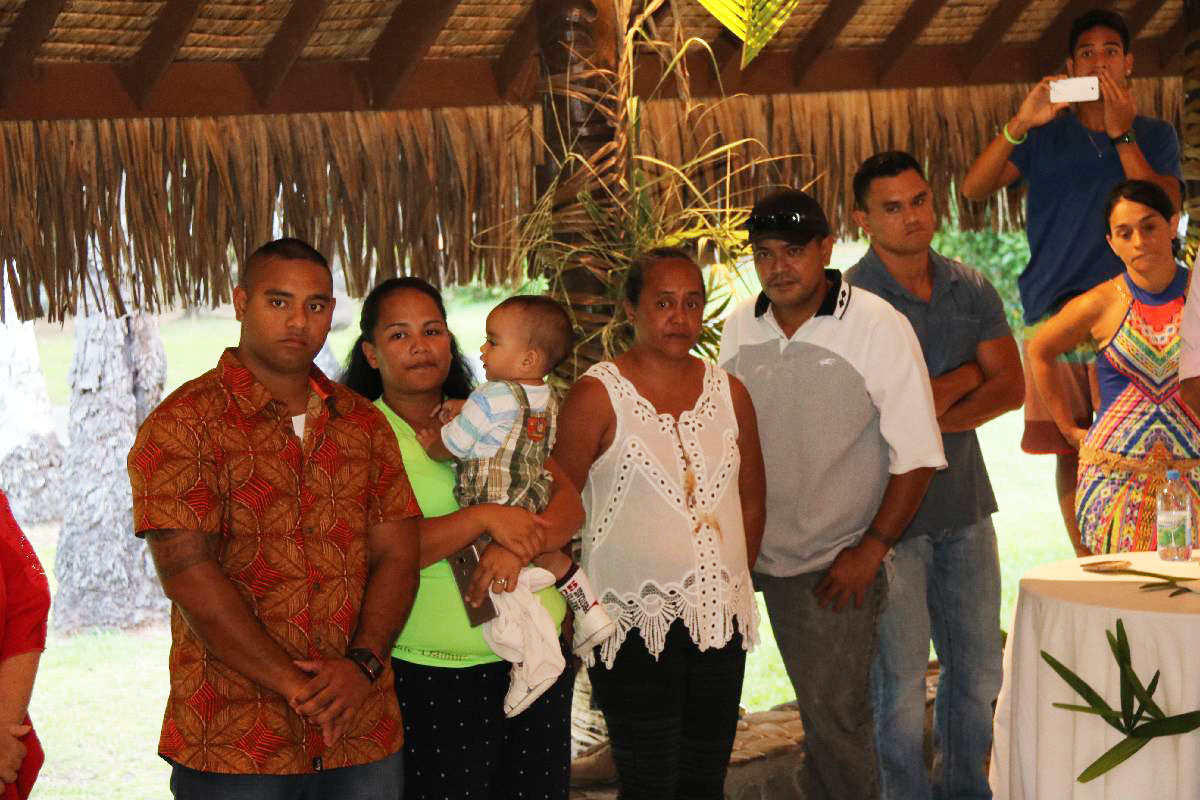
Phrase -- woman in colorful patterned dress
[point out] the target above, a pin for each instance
(1143, 427)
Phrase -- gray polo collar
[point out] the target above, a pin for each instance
(834, 304)
(943, 275)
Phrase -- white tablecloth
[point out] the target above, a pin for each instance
(1039, 750)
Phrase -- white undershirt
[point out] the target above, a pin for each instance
(298, 425)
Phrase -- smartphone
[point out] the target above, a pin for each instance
(1075, 90)
(463, 564)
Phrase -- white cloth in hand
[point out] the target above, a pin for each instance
(524, 633)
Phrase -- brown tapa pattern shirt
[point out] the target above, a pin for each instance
(220, 456)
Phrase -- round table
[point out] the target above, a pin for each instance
(1039, 750)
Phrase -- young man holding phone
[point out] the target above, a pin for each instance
(1071, 155)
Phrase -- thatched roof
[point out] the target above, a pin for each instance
(166, 137)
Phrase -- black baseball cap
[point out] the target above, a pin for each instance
(788, 214)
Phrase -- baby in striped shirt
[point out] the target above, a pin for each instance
(505, 430)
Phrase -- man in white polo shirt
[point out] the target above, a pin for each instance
(850, 442)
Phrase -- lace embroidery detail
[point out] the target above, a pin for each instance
(656, 608)
(683, 469)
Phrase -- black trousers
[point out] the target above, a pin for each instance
(458, 745)
(671, 721)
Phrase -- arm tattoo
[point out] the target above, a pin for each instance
(174, 551)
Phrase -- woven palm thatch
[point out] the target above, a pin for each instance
(167, 207)
(831, 133)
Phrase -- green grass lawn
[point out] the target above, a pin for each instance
(99, 698)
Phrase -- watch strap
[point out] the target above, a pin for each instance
(1127, 137)
(367, 661)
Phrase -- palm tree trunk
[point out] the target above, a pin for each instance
(105, 575)
(575, 38)
(578, 42)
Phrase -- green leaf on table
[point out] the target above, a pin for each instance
(1120, 650)
(1144, 695)
(1114, 756)
(1169, 726)
(1075, 682)
(1111, 716)
(1122, 643)
(1138, 733)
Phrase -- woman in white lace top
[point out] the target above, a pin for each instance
(665, 449)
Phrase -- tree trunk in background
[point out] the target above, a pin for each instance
(105, 575)
(31, 455)
(575, 37)
(1191, 126)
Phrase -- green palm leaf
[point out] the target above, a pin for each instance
(1114, 756)
(1112, 716)
(755, 22)
(1129, 720)
(1079, 685)
(1145, 695)
(1169, 726)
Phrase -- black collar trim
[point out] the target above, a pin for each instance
(834, 304)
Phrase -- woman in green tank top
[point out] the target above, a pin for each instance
(451, 687)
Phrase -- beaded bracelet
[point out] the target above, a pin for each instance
(1008, 137)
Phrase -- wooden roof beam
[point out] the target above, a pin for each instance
(1172, 42)
(1053, 41)
(412, 30)
(158, 50)
(1139, 16)
(516, 70)
(825, 30)
(25, 38)
(990, 35)
(916, 19)
(285, 47)
(60, 90)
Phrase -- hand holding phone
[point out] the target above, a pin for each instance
(463, 564)
(1075, 90)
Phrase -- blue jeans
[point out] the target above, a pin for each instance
(945, 585)
(378, 780)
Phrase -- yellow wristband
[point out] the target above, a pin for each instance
(1008, 137)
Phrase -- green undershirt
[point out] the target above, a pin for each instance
(438, 633)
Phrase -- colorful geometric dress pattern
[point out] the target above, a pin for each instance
(288, 519)
(1143, 429)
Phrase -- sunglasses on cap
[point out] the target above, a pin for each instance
(791, 222)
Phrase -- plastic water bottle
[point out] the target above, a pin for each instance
(1174, 521)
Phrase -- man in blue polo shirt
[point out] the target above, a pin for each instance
(1071, 158)
(944, 579)
(850, 442)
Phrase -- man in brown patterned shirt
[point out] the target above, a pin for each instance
(283, 528)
